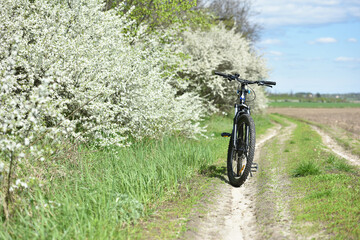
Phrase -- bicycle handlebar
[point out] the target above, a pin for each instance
(221, 74)
(236, 77)
(269, 82)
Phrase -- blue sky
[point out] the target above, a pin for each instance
(311, 45)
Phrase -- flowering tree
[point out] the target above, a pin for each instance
(220, 50)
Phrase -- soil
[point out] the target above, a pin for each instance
(345, 118)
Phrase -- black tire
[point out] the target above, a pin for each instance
(239, 161)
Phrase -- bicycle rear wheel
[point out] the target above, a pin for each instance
(240, 156)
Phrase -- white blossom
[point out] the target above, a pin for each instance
(70, 69)
(222, 50)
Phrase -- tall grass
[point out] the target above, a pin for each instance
(97, 194)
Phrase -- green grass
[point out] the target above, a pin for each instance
(279, 119)
(100, 194)
(262, 123)
(325, 194)
(223, 123)
(217, 124)
(345, 138)
(306, 168)
(106, 190)
(313, 105)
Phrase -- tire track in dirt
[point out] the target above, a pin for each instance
(232, 215)
(336, 148)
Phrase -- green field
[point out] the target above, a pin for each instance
(314, 105)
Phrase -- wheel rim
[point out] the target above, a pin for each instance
(239, 156)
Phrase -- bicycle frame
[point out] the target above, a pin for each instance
(240, 109)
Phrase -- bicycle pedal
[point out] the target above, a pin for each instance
(224, 134)
(254, 167)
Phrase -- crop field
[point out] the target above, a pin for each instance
(345, 118)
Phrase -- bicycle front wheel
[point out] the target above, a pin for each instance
(241, 152)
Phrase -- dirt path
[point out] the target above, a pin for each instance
(260, 208)
(336, 148)
(232, 215)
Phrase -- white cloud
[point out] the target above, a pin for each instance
(270, 41)
(355, 11)
(353, 40)
(324, 40)
(305, 12)
(276, 53)
(347, 59)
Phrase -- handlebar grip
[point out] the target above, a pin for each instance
(269, 82)
(221, 74)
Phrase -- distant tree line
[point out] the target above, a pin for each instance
(315, 97)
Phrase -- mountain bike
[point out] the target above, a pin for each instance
(242, 139)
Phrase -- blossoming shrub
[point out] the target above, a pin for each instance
(68, 68)
(220, 50)
(71, 67)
